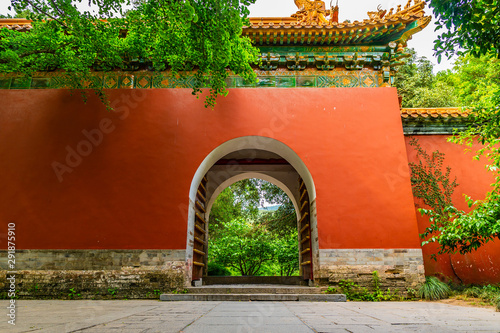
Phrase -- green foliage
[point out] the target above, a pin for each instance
(283, 221)
(376, 280)
(428, 180)
(474, 294)
(470, 26)
(472, 31)
(419, 87)
(154, 294)
(354, 292)
(489, 292)
(73, 294)
(180, 291)
(468, 231)
(478, 86)
(412, 293)
(249, 242)
(217, 269)
(434, 187)
(478, 80)
(112, 292)
(480, 91)
(34, 289)
(433, 289)
(286, 253)
(179, 36)
(243, 246)
(242, 200)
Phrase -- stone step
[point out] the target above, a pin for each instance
(254, 297)
(281, 280)
(254, 289)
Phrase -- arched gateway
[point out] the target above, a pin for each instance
(251, 157)
(118, 199)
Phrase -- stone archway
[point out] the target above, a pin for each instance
(251, 157)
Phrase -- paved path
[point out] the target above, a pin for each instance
(228, 317)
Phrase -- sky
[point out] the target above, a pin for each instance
(351, 10)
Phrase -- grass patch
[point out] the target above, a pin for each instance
(433, 289)
(355, 292)
(489, 295)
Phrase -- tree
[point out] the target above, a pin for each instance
(240, 200)
(283, 221)
(479, 86)
(201, 38)
(473, 30)
(472, 26)
(420, 88)
(478, 80)
(243, 246)
(286, 253)
(238, 230)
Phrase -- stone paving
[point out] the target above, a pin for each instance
(291, 317)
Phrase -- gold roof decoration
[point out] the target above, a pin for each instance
(408, 10)
(450, 112)
(314, 12)
(21, 25)
(313, 24)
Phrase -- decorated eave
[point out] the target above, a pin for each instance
(380, 28)
(312, 48)
(434, 120)
(21, 25)
(313, 38)
(434, 113)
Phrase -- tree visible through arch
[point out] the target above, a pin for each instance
(253, 231)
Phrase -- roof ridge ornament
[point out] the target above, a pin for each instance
(314, 12)
(409, 9)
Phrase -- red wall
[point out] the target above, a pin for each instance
(483, 265)
(131, 191)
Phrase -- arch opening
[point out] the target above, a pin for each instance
(244, 158)
(251, 175)
(252, 230)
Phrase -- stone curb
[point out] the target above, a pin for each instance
(254, 297)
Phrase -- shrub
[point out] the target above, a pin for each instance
(355, 292)
(217, 269)
(433, 289)
(489, 293)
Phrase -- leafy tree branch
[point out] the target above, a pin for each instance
(186, 38)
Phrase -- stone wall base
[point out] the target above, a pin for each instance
(94, 274)
(130, 283)
(400, 270)
(53, 260)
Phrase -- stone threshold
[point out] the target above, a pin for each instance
(254, 297)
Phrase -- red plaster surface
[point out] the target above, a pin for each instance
(131, 191)
(483, 265)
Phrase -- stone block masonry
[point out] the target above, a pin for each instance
(398, 269)
(95, 274)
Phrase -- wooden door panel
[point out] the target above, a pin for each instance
(200, 232)
(304, 225)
